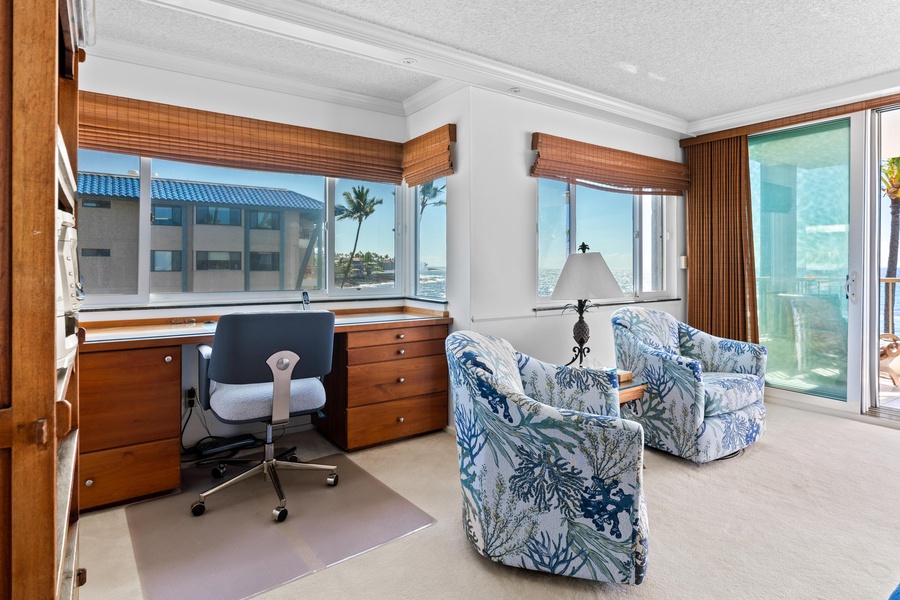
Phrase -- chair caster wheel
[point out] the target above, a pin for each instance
(218, 472)
(293, 458)
(279, 514)
(332, 479)
(198, 508)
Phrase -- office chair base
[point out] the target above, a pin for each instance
(269, 468)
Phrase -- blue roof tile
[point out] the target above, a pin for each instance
(127, 186)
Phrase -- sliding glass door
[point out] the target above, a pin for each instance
(801, 190)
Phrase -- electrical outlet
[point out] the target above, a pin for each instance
(190, 397)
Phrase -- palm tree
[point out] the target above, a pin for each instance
(358, 206)
(428, 196)
(890, 186)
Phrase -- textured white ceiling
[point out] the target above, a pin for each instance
(195, 36)
(693, 59)
(690, 59)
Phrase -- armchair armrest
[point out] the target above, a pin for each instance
(593, 391)
(204, 353)
(674, 382)
(722, 355)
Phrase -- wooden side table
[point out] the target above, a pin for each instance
(630, 390)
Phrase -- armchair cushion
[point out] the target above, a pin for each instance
(728, 392)
(587, 390)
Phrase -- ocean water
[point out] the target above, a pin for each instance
(547, 279)
(433, 281)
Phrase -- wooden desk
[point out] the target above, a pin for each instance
(388, 381)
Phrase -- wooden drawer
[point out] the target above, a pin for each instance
(395, 351)
(129, 396)
(377, 423)
(394, 335)
(379, 382)
(128, 472)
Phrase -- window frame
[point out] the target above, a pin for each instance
(144, 298)
(173, 253)
(173, 207)
(667, 267)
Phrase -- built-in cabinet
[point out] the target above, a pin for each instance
(131, 423)
(388, 381)
(39, 366)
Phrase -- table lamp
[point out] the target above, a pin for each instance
(584, 276)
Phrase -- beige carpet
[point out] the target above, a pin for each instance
(811, 511)
(235, 550)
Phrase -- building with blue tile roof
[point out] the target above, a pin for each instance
(205, 237)
(99, 185)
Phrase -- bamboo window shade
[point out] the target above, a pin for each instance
(606, 168)
(721, 286)
(427, 157)
(124, 125)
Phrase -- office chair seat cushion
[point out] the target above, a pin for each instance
(728, 392)
(253, 402)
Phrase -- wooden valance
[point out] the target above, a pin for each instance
(124, 125)
(606, 168)
(427, 157)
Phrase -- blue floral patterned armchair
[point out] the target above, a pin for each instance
(551, 476)
(704, 397)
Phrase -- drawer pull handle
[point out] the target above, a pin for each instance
(89, 483)
(400, 419)
(401, 336)
(401, 380)
(401, 351)
(168, 359)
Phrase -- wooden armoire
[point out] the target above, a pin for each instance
(39, 55)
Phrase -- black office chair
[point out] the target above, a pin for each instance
(266, 367)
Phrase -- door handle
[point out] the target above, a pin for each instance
(850, 287)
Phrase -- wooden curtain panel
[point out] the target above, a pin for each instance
(606, 168)
(721, 288)
(115, 124)
(427, 157)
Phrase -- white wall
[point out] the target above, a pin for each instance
(492, 199)
(498, 221)
(146, 83)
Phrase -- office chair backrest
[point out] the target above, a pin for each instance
(244, 341)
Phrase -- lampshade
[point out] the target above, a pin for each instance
(584, 276)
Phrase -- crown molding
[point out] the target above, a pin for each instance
(857, 91)
(178, 63)
(431, 94)
(326, 29)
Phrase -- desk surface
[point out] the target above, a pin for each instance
(127, 336)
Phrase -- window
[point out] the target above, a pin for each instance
(218, 261)
(265, 219)
(95, 252)
(218, 215)
(216, 230)
(264, 261)
(165, 260)
(364, 235)
(628, 230)
(164, 214)
(431, 239)
(96, 204)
